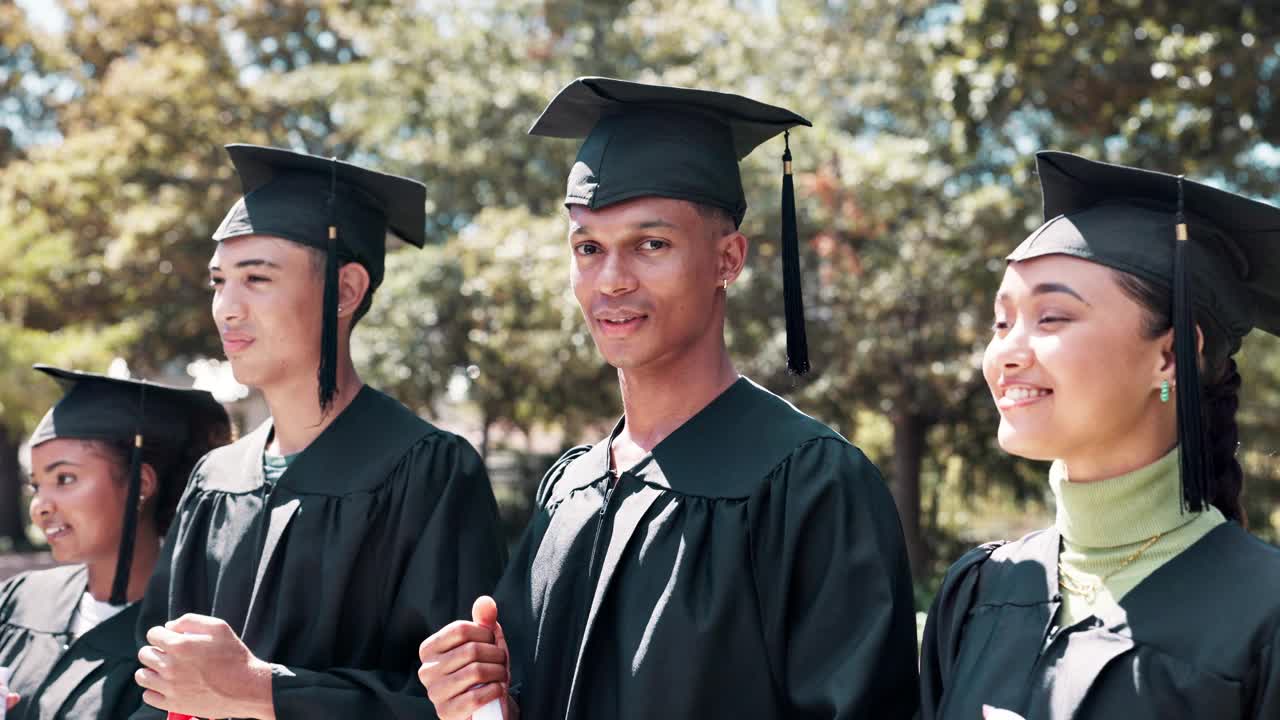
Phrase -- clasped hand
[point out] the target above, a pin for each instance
(197, 665)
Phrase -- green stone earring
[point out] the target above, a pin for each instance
(1164, 391)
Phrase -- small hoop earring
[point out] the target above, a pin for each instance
(1164, 391)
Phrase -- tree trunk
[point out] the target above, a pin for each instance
(909, 432)
(12, 514)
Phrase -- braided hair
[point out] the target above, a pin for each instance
(1220, 393)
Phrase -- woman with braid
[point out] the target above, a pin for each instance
(1112, 355)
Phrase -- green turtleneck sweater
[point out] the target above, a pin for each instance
(1103, 523)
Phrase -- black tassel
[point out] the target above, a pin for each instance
(328, 374)
(1193, 459)
(797, 341)
(129, 527)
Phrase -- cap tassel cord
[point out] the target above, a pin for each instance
(797, 340)
(1193, 460)
(328, 373)
(129, 527)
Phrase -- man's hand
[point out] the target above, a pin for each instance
(11, 699)
(196, 665)
(466, 665)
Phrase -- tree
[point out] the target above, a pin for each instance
(111, 189)
(912, 191)
(1184, 88)
(490, 310)
(40, 263)
(913, 184)
(460, 125)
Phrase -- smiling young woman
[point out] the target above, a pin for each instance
(1111, 355)
(108, 463)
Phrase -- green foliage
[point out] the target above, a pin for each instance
(914, 182)
(1179, 87)
(112, 179)
(1259, 429)
(490, 310)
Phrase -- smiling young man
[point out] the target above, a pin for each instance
(309, 557)
(720, 554)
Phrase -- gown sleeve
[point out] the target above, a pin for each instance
(457, 556)
(834, 586)
(943, 628)
(8, 594)
(153, 609)
(1267, 696)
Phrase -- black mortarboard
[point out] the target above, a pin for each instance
(166, 421)
(657, 140)
(1216, 252)
(343, 209)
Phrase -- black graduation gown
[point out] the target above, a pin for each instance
(1198, 638)
(752, 566)
(380, 532)
(91, 677)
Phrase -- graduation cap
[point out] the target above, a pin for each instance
(167, 422)
(335, 206)
(656, 140)
(1214, 251)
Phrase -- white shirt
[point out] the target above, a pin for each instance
(90, 613)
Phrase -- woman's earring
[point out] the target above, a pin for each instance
(141, 499)
(1164, 391)
(725, 284)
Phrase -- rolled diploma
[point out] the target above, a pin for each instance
(491, 711)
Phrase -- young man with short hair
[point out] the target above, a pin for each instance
(720, 554)
(309, 557)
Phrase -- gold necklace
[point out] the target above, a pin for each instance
(1088, 589)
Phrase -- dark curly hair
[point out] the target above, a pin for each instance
(172, 467)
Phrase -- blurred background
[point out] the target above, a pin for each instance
(915, 181)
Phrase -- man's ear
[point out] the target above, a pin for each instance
(731, 252)
(353, 285)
